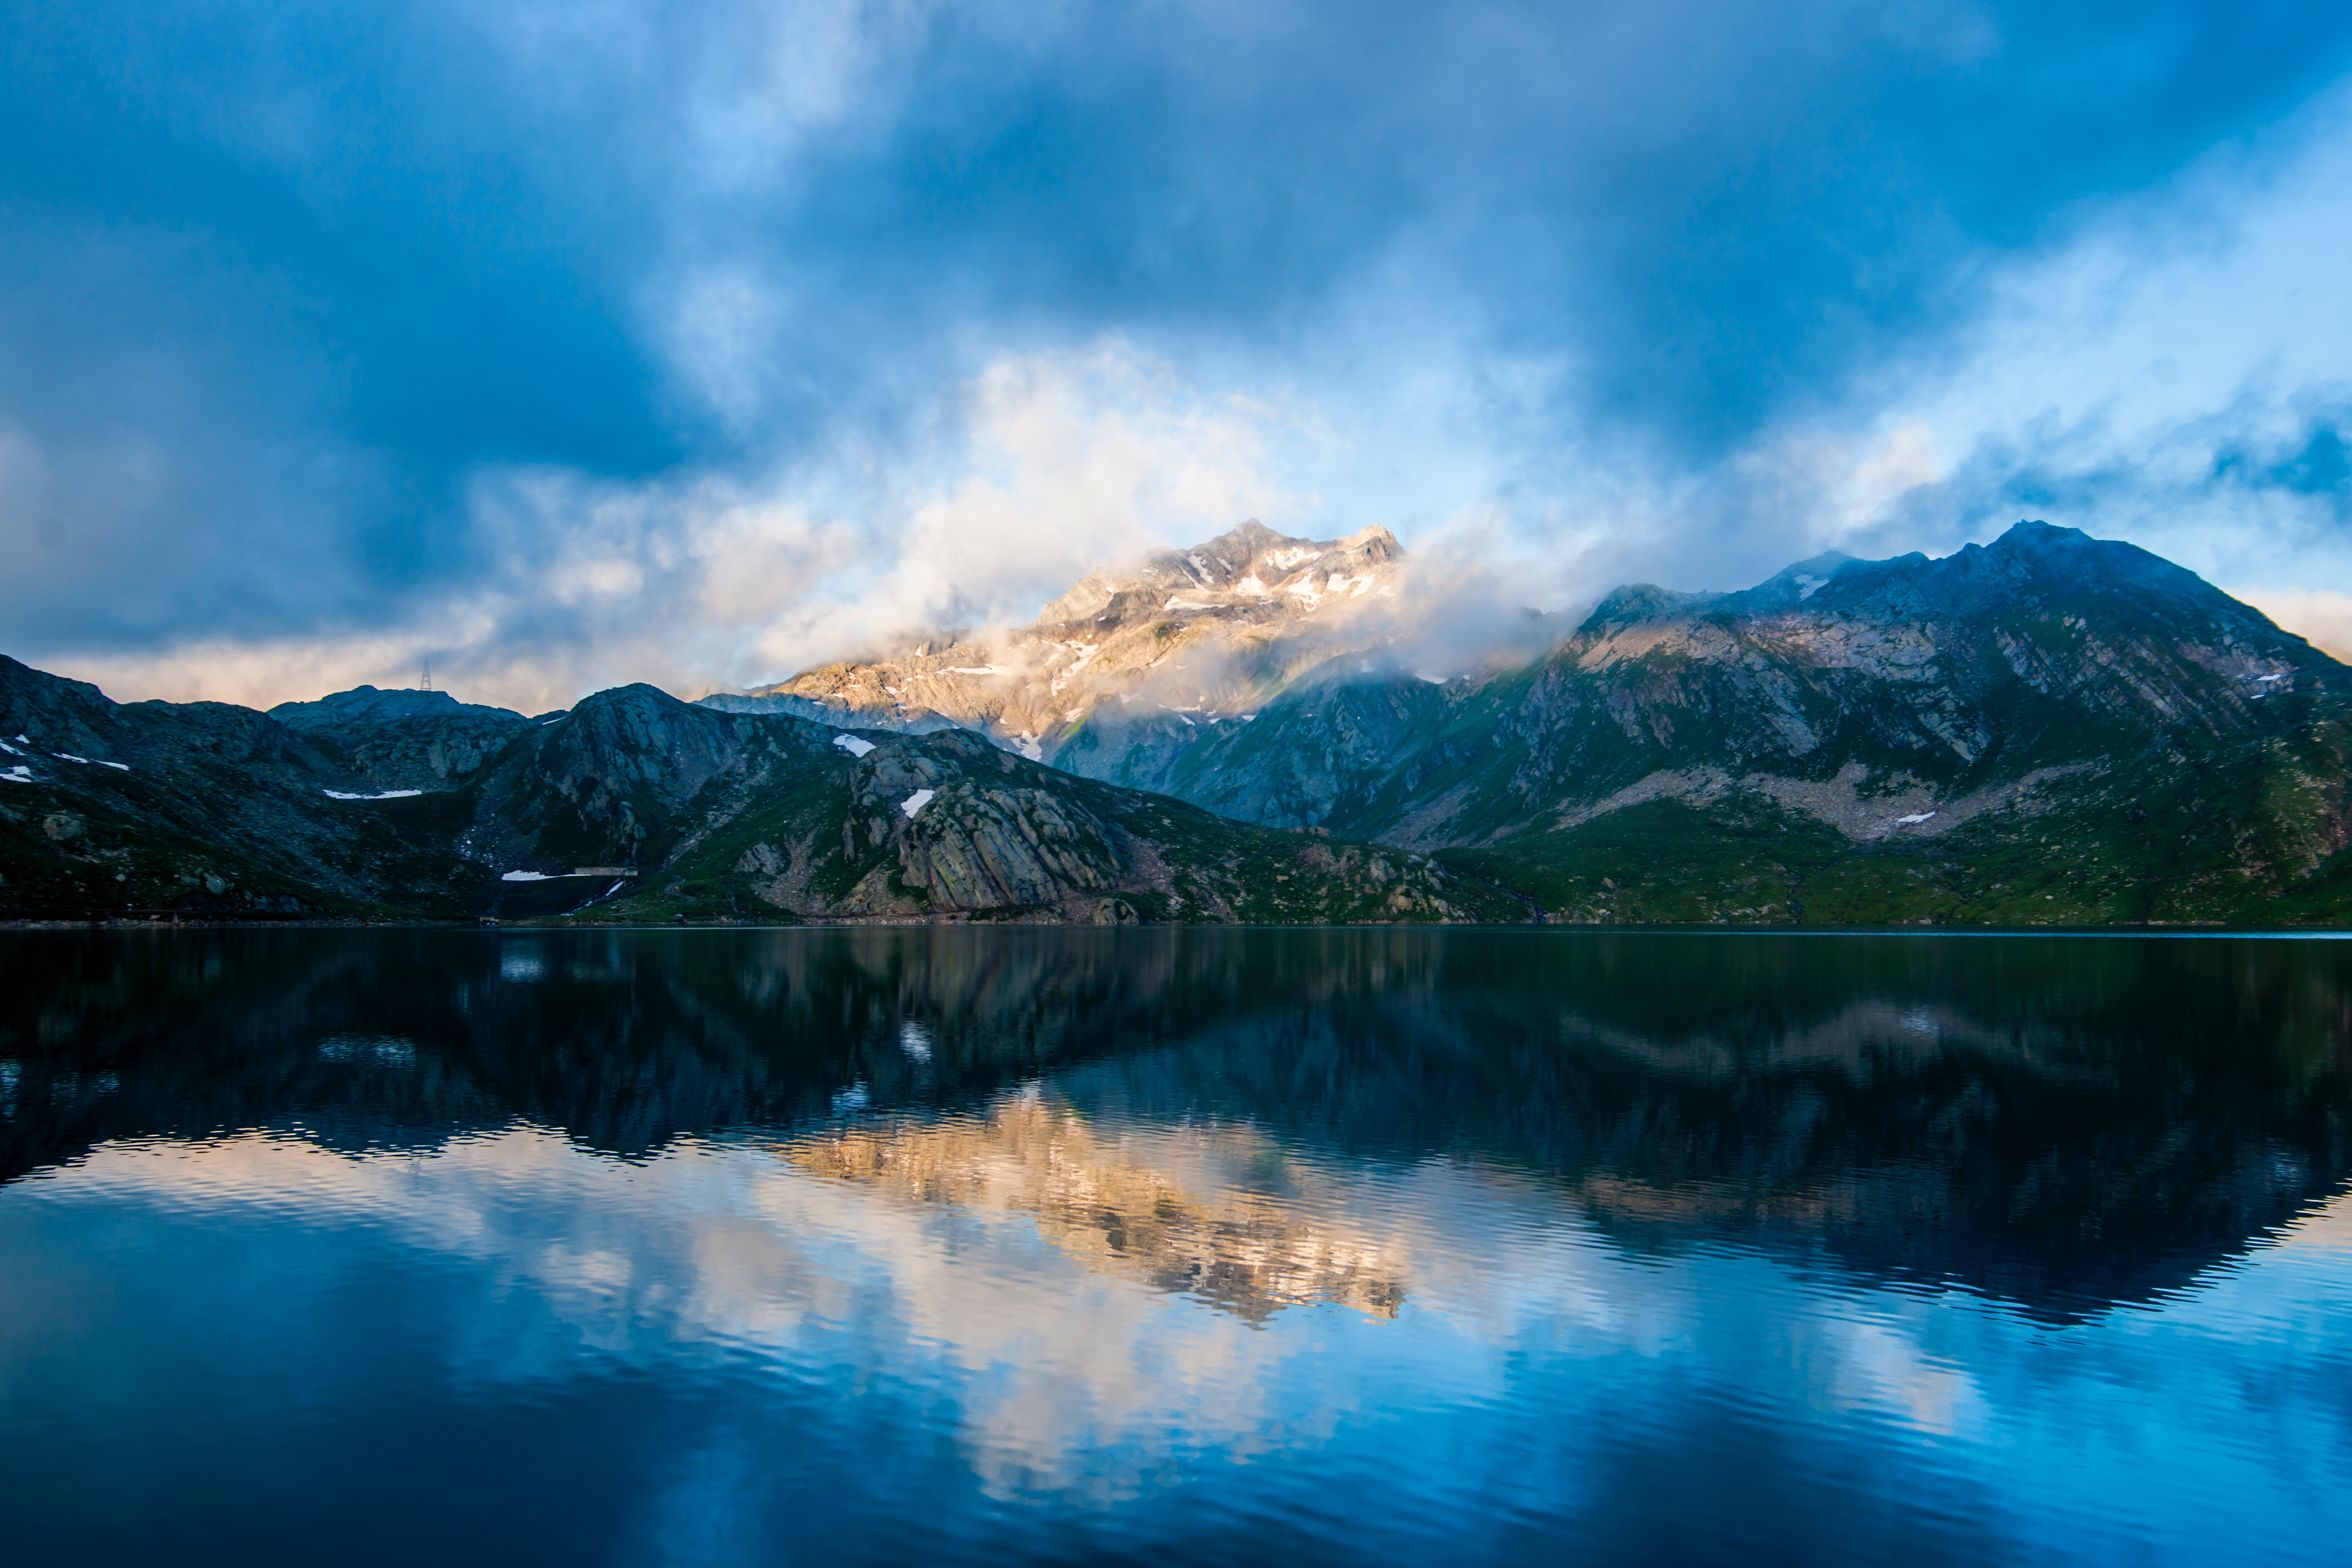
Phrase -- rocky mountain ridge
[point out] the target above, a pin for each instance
(1214, 629)
(2049, 729)
(1911, 725)
(633, 803)
(1859, 740)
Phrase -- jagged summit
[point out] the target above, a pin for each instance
(1635, 603)
(1240, 570)
(1793, 584)
(1217, 628)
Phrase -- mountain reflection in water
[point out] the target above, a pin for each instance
(1677, 1245)
(1114, 1206)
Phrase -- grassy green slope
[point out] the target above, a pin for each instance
(2240, 835)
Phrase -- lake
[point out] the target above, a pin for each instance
(1057, 1245)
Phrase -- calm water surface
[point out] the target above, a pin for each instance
(1056, 1246)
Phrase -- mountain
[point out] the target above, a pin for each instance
(396, 804)
(404, 739)
(2052, 727)
(2049, 729)
(1214, 629)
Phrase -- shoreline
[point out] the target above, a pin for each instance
(1919, 928)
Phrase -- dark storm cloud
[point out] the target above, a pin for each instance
(1714, 209)
(279, 281)
(2315, 461)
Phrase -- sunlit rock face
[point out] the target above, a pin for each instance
(1181, 639)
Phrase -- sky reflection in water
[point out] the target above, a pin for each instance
(747, 1247)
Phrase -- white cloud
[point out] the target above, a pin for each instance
(1068, 460)
(2112, 372)
(2205, 316)
(2096, 393)
(1041, 467)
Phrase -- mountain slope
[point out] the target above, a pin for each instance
(2049, 729)
(633, 801)
(2052, 726)
(1217, 628)
(404, 739)
(201, 808)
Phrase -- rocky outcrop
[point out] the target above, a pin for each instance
(968, 837)
(948, 825)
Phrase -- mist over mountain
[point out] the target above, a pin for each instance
(2050, 729)
(1207, 630)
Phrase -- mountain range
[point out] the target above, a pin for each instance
(409, 804)
(2048, 730)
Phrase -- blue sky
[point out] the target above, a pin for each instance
(569, 344)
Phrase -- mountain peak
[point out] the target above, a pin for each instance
(1250, 564)
(2034, 534)
(1208, 628)
(366, 705)
(1633, 603)
(1239, 546)
(2061, 561)
(1795, 584)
